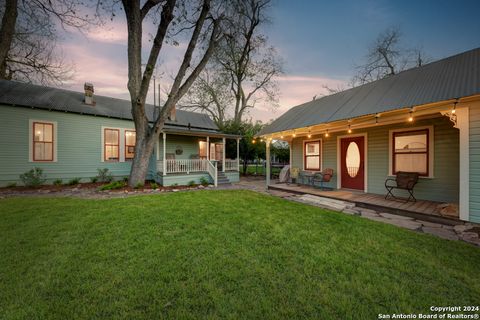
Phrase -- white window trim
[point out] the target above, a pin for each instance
(365, 156)
(121, 146)
(30, 140)
(321, 154)
(431, 148)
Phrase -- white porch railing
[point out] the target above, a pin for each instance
(212, 171)
(231, 165)
(183, 166)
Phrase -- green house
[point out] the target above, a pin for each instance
(424, 120)
(72, 134)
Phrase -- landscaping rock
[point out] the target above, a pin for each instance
(444, 226)
(459, 228)
(175, 190)
(368, 213)
(201, 187)
(441, 232)
(471, 237)
(430, 224)
(377, 218)
(351, 211)
(407, 224)
(394, 216)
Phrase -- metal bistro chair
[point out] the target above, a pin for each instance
(404, 181)
(321, 177)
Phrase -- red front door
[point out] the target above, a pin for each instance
(352, 162)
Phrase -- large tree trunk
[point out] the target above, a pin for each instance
(143, 152)
(7, 30)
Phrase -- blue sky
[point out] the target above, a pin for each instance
(320, 42)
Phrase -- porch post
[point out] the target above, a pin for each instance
(208, 148)
(267, 168)
(223, 156)
(238, 154)
(463, 124)
(164, 136)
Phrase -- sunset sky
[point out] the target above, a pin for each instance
(320, 42)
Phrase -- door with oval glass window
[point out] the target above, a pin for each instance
(352, 162)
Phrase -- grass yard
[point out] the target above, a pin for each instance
(219, 254)
(260, 169)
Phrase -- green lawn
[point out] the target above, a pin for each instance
(260, 169)
(219, 254)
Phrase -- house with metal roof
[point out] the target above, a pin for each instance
(72, 134)
(424, 121)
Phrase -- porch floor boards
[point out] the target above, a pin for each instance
(419, 209)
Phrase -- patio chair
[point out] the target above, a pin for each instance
(321, 177)
(404, 181)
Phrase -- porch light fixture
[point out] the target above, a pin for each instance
(327, 134)
(281, 137)
(309, 134)
(349, 129)
(294, 134)
(410, 117)
(376, 118)
(454, 106)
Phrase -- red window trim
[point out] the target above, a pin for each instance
(43, 142)
(105, 145)
(128, 145)
(397, 133)
(319, 155)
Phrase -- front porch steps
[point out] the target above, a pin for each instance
(222, 179)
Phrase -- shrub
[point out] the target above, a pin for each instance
(93, 179)
(174, 185)
(154, 185)
(125, 179)
(33, 178)
(112, 186)
(11, 185)
(104, 175)
(57, 182)
(139, 185)
(204, 181)
(191, 183)
(73, 181)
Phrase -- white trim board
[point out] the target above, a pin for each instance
(431, 150)
(30, 141)
(463, 124)
(321, 153)
(365, 153)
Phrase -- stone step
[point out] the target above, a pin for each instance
(327, 202)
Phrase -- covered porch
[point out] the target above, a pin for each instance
(426, 210)
(183, 157)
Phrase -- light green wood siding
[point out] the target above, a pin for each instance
(444, 185)
(183, 179)
(474, 132)
(233, 176)
(79, 145)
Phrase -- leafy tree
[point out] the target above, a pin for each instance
(250, 148)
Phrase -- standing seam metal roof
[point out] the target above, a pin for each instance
(29, 95)
(450, 78)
